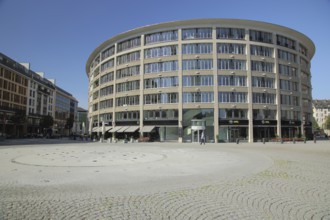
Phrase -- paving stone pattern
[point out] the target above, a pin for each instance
(295, 186)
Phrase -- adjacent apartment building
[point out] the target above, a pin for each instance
(26, 96)
(321, 110)
(230, 79)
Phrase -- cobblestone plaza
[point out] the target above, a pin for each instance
(53, 179)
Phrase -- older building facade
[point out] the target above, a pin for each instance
(321, 110)
(25, 97)
(229, 79)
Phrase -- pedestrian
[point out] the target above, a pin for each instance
(202, 141)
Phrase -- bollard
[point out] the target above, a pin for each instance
(263, 140)
(237, 141)
(282, 141)
(314, 140)
(305, 140)
(294, 140)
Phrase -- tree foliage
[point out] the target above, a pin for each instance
(69, 122)
(315, 124)
(327, 123)
(46, 121)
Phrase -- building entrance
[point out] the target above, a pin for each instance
(197, 127)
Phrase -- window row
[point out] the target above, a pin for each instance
(263, 82)
(161, 82)
(197, 33)
(128, 86)
(162, 98)
(106, 104)
(288, 85)
(290, 115)
(261, 36)
(106, 117)
(234, 97)
(128, 116)
(285, 55)
(231, 80)
(106, 91)
(287, 70)
(161, 67)
(286, 42)
(233, 113)
(262, 66)
(231, 64)
(108, 52)
(106, 78)
(196, 48)
(263, 98)
(261, 51)
(198, 97)
(107, 64)
(130, 57)
(198, 80)
(162, 114)
(161, 37)
(198, 64)
(161, 51)
(128, 44)
(128, 100)
(289, 100)
(231, 33)
(231, 48)
(129, 71)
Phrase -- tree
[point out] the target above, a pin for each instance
(327, 123)
(69, 123)
(46, 122)
(315, 125)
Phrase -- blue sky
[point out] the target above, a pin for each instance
(57, 36)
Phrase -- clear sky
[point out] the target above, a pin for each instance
(57, 36)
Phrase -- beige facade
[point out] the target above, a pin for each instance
(230, 79)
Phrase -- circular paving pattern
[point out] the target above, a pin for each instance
(61, 157)
(295, 185)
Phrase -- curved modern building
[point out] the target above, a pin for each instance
(231, 79)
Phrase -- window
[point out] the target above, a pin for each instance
(128, 116)
(197, 80)
(287, 70)
(167, 66)
(106, 78)
(106, 117)
(289, 100)
(106, 91)
(303, 50)
(231, 80)
(161, 37)
(161, 51)
(130, 57)
(261, 51)
(261, 66)
(128, 100)
(290, 115)
(198, 97)
(263, 98)
(107, 65)
(197, 33)
(288, 85)
(235, 97)
(261, 114)
(196, 48)
(231, 64)
(261, 36)
(285, 55)
(197, 64)
(286, 42)
(161, 98)
(161, 82)
(129, 71)
(106, 104)
(262, 82)
(128, 86)
(163, 114)
(231, 33)
(128, 44)
(233, 113)
(108, 52)
(231, 48)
